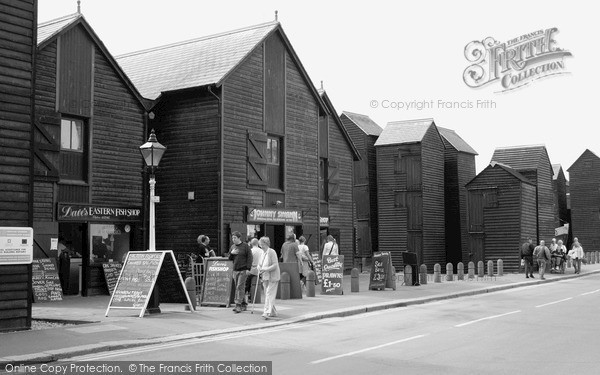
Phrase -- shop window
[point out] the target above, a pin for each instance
(109, 242)
(73, 152)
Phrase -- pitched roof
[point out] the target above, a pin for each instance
(364, 122)
(49, 30)
(400, 132)
(193, 63)
(338, 121)
(507, 169)
(522, 157)
(586, 152)
(456, 141)
(46, 30)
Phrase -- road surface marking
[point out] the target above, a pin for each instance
(366, 349)
(486, 318)
(552, 303)
(593, 291)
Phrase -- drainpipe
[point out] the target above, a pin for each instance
(220, 224)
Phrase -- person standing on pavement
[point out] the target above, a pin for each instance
(256, 254)
(331, 247)
(542, 254)
(576, 253)
(289, 250)
(527, 256)
(268, 268)
(305, 258)
(241, 254)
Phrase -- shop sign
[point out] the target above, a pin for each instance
(89, 212)
(270, 215)
(324, 221)
(16, 245)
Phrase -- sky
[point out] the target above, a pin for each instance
(403, 60)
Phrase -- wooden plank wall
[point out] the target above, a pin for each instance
(584, 187)
(340, 211)
(117, 134)
(546, 219)
(17, 41)
(466, 172)
(452, 205)
(432, 164)
(188, 125)
(560, 198)
(17, 44)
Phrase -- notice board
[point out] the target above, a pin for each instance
(379, 271)
(139, 276)
(45, 281)
(112, 270)
(318, 267)
(333, 274)
(218, 280)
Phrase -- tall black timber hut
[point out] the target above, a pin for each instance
(335, 144)
(584, 185)
(459, 169)
(502, 215)
(559, 184)
(364, 132)
(17, 50)
(410, 191)
(533, 163)
(88, 182)
(240, 119)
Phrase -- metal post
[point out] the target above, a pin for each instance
(152, 244)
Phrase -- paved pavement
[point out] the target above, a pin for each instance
(94, 332)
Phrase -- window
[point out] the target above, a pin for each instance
(273, 151)
(323, 189)
(71, 135)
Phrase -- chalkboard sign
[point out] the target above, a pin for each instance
(140, 273)
(318, 267)
(333, 274)
(218, 278)
(45, 281)
(169, 283)
(380, 271)
(112, 271)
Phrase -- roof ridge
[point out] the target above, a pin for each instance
(413, 120)
(202, 38)
(60, 19)
(521, 146)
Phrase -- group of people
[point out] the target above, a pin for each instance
(556, 255)
(257, 259)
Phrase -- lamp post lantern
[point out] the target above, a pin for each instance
(152, 151)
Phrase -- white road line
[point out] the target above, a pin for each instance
(366, 349)
(552, 303)
(593, 291)
(486, 318)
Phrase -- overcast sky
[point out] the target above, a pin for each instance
(373, 54)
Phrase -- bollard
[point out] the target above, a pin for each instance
(437, 273)
(460, 271)
(449, 272)
(490, 268)
(285, 285)
(480, 271)
(597, 258)
(500, 267)
(391, 283)
(354, 280)
(471, 270)
(423, 275)
(190, 286)
(310, 283)
(408, 275)
(255, 292)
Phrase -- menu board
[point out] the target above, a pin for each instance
(141, 271)
(45, 281)
(333, 274)
(112, 271)
(218, 278)
(379, 270)
(318, 267)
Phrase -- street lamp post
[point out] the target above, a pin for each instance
(152, 151)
